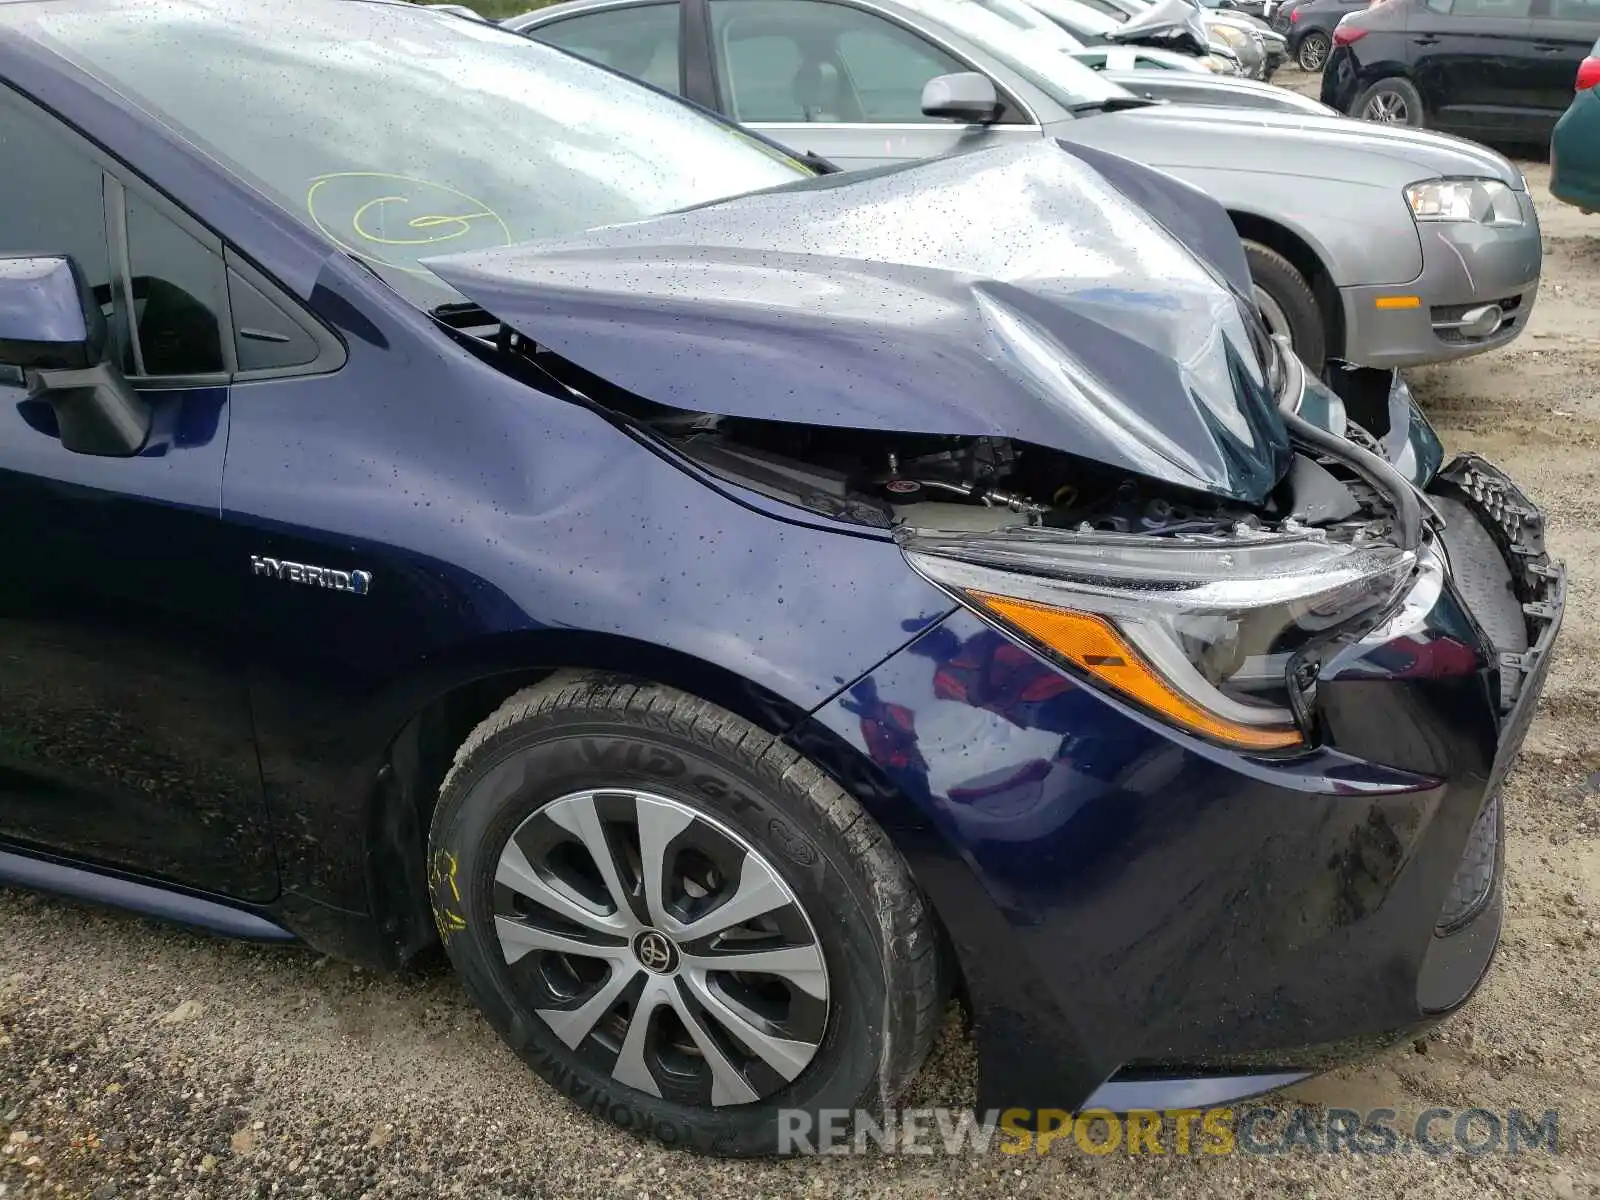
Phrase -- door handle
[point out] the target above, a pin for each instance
(1548, 48)
(1427, 40)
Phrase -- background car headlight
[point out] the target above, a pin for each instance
(1236, 38)
(1486, 201)
(1207, 633)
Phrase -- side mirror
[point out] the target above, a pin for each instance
(48, 318)
(51, 327)
(962, 96)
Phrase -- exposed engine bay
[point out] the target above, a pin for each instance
(1213, 613)
(978, 484)
(986, 483)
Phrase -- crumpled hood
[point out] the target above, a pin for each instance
(1010, 292)
(1173, 23)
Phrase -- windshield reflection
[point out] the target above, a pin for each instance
(402, 134)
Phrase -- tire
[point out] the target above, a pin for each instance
(1288, 303)
(643, 773)
(1393, 101)
(1312, 52)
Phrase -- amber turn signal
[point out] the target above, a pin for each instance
(1093, 645)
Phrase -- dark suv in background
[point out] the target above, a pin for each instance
(1308, 26)
(1493, 70)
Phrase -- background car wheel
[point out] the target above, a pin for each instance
(1287, 303)
(676, 919)
(1312, 53)
(1390, 102)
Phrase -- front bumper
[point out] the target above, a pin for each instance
(1141, 918)
(1476, 290)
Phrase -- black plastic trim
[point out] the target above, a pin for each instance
(331, 352)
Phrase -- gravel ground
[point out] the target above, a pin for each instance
(139, 1060)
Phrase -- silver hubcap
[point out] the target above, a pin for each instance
(1272, 313)
(1388, 108)
(659, 945)
(1313, 52)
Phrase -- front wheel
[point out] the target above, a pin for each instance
(676, 919)
(1390, 102)
(1313, 51)
(1287, 303)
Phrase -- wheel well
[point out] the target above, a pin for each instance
(1306, 260)
(403, 802)
(421, 754)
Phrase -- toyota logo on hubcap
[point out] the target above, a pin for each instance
(656, 952)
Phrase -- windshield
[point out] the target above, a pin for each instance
(402, 133)
(1027, 41)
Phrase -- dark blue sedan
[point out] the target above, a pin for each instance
(452, 493)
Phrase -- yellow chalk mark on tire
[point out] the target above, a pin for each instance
(442, 872)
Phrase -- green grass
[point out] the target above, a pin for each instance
(498, 10)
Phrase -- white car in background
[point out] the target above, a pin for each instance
(1141, 58)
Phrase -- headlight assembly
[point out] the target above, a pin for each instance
(1484, 201)
(1236, 38)
(1206, 633)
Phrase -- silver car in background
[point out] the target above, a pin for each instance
(1381, 246)
(1229, 91)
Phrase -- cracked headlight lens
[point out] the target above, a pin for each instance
(1206, 633)
(1484, 201)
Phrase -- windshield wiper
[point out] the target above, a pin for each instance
(1111, 104)
(819, 164)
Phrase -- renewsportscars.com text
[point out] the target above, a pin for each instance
(1261, 1129)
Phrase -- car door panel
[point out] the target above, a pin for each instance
(1475, 65)
(1563, 33)
(125, 730)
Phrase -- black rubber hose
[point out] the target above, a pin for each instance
(1370, 467)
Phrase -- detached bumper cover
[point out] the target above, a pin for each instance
(1538, 585)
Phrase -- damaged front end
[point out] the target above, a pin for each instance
(1219, 628)
(1212, 614)
(1285, 658)
(1081, 431)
